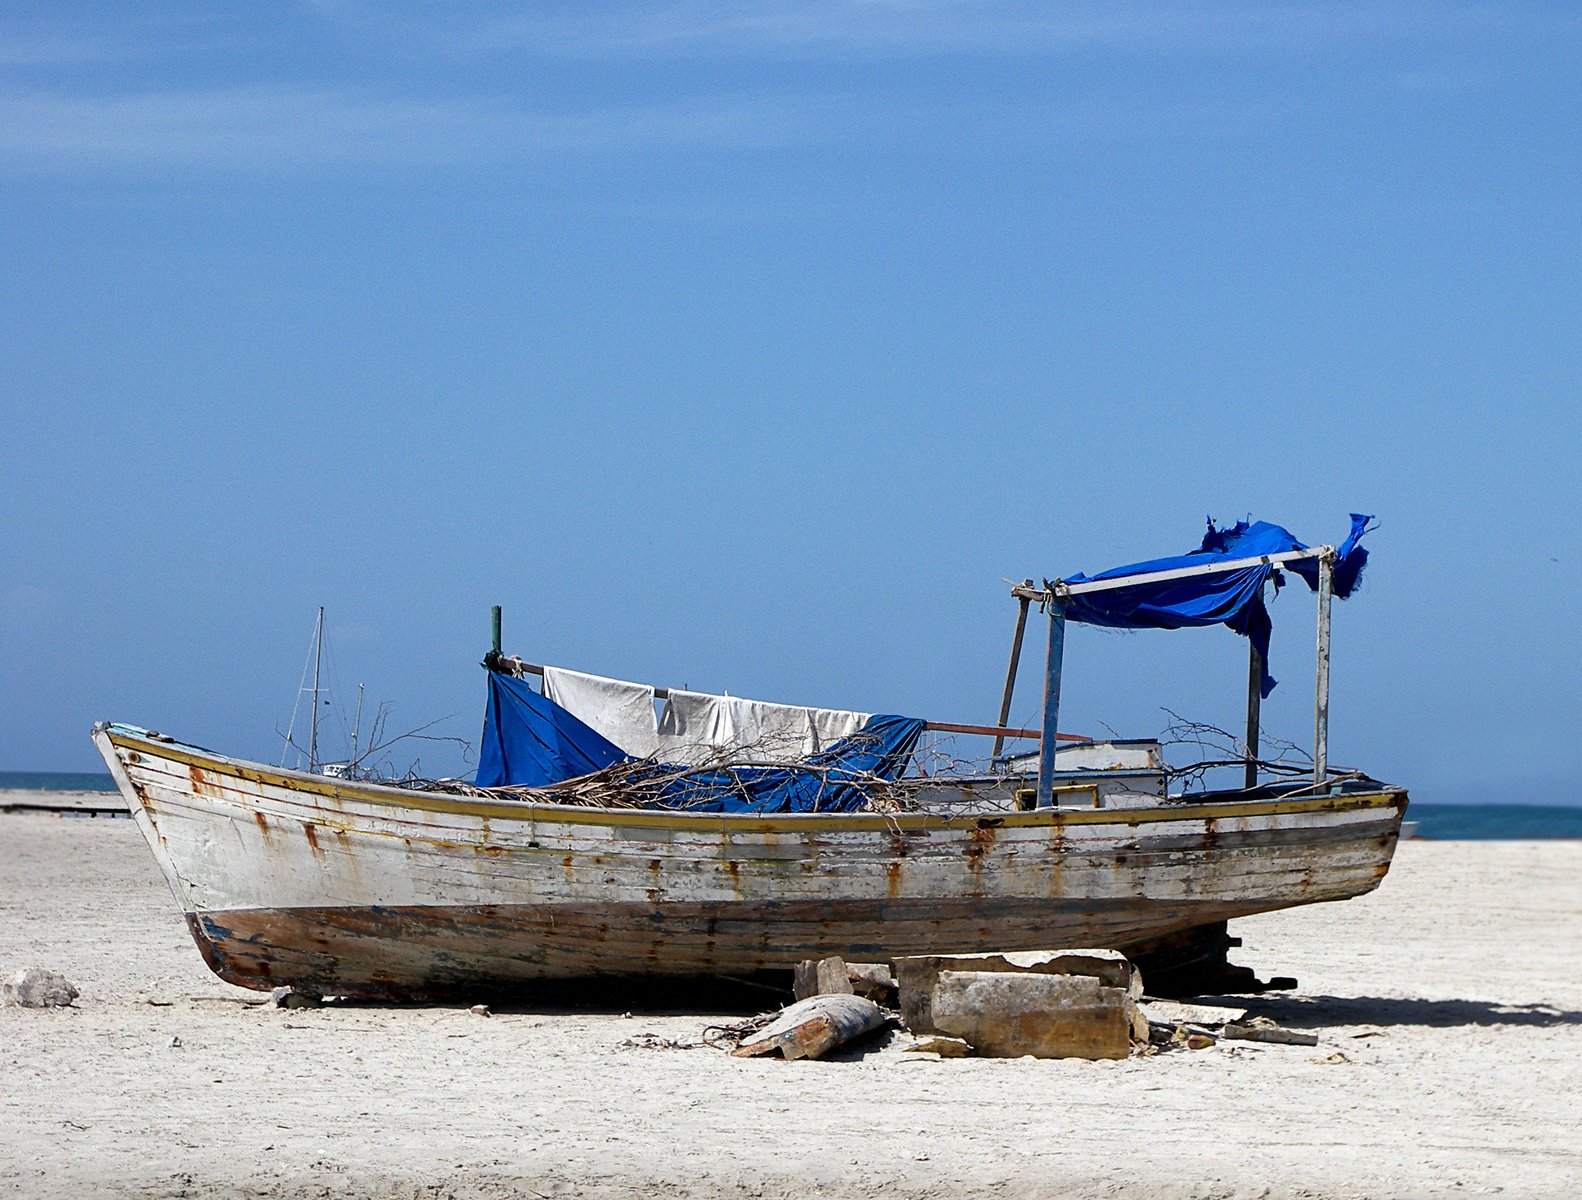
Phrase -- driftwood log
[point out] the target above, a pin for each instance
(813, 1027)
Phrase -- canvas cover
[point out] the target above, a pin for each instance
(530, 741)
(1233, 598)
(698, 728)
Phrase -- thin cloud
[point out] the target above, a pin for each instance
(288, 127)
(833, 29)
(18, 49)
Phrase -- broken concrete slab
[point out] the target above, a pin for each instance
(873, 980)
(1177, 1012)
(945, 1047)
(917, 975)
(1005, 1015)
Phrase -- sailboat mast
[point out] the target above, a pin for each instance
(357, 726)
(313, 725)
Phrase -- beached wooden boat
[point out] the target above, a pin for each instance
(346, 887)
(358, 889)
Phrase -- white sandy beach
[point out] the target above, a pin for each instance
(1452, 999)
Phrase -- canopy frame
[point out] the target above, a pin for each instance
(1053, 596)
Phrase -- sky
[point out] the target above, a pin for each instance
(757, 347)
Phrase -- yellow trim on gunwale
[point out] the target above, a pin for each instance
(395, 797)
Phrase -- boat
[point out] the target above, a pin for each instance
(315, 696)
(355, 888)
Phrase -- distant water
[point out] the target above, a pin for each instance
(56, 781)
(1494, 822)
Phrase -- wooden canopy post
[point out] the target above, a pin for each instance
(1254, 709)
(1326, 567)
(1010, 672)
(1052, 669)
(494, 621)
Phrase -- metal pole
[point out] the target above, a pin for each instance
(1326, 566)
(1254, 709)
(1010, 671)
(313, 726)
(1052, 667)
(494, 621)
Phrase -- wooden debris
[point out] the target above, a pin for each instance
(1261, 1029)
(813, 1027)
(823, 977)
(1007, 1015)
(1169, 1033)
(917, 975)
(833, 976)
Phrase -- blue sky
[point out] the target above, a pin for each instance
(753, 347)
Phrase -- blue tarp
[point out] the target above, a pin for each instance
(1234, 598)
(834, 780)
(530, 741)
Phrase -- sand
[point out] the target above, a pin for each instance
(1449, 1005)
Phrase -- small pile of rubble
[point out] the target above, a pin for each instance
(1172, 1024)
(1047, 1004)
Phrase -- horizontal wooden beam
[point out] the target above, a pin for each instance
(1062, 589)
(517, 666)
(1000, 731)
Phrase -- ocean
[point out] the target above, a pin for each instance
(1442, 822)
(55, 781)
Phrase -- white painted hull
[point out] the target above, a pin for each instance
(358, 889)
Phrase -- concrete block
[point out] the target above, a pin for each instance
(917, 974)
(1005, 1015)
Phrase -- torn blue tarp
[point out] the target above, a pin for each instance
(530, 741)
(1233, 598)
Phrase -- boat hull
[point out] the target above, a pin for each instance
(354, 889)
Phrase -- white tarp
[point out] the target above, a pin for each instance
(696, 727)
(621, 711)
(700, 728)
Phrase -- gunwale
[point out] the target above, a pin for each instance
(130, 739)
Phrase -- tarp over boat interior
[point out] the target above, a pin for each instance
(530, 741)
(1233, 598)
